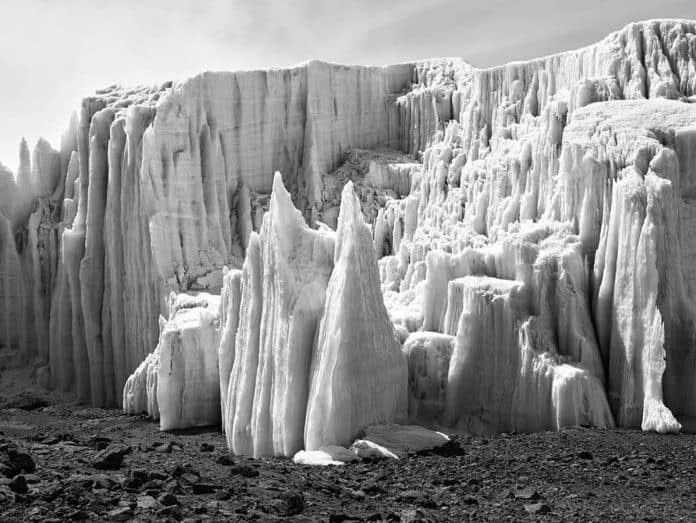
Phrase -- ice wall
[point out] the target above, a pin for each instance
(156, 189)
(29, 251)
(564, 174)
(569, 178)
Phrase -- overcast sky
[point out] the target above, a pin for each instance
(52, 53)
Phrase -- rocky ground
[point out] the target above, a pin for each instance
(62, 461)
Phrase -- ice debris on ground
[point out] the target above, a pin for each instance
(387, 441)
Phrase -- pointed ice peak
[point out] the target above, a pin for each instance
(359, 373)
(42, 143)
(24, 155)
(253, 242)
(8, 189)
(349, 218)
(283, 214)
(281, 201)
(68, 140)
(280, 193)
(348, 198)
(5, 171)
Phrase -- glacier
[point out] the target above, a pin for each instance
(305, 255)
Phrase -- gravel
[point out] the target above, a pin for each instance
(68, 462)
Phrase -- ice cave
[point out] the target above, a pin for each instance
(330, 261)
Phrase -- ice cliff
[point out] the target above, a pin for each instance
(526, 263)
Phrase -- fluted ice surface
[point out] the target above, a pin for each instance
(314, 358)
(358, 369)
(545, 205)
(284, 280)
(179, 382)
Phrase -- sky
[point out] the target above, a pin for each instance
(53, 53)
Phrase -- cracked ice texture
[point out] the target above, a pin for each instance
(571, 176)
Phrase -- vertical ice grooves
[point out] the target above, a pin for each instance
(536, 172)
